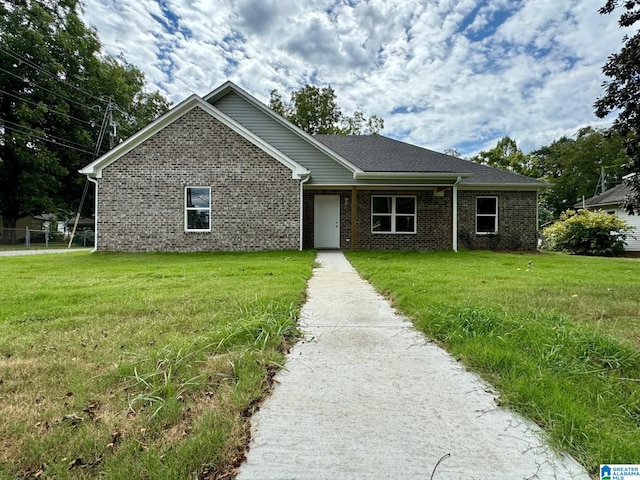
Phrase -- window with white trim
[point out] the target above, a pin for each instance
(393, 214)
(486, 215)
(197, 209)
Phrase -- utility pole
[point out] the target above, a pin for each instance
(112, 126)
(108, 118)
(602, 181)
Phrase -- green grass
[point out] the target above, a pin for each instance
(559, 337)
(139, 366)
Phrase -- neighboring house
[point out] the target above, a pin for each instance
(611, 202)
(34, 223)
(225, 172)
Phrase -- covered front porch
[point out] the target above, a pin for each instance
(380, 218)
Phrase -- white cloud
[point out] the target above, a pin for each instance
(442, 73)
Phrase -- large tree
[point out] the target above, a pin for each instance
(574, 167)
(55, 91)
(622, 90)
(316, 111)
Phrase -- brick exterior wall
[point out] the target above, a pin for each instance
(517, 217)
(254, 201)
(433, 230)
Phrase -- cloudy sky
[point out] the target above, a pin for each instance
(441, 73)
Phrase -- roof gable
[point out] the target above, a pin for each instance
(229, 86)
(94, 169)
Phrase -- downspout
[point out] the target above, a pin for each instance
(455, 214)
(302, 182)
(95, 215)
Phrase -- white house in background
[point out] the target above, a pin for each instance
(611, 202)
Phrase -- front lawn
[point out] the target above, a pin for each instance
(139, 366)
(557, 335)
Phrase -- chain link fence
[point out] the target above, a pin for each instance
(29, 238)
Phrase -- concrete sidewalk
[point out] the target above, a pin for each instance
(365, 396)
(18, 253)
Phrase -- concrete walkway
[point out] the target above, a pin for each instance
(365, 396)
(18, 253)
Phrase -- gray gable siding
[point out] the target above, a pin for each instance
(324, 170)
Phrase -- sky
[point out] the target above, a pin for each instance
(442, 74)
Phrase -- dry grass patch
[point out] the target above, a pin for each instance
(139, 366)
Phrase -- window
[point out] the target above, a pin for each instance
(393, 214)
(486, 215)
(197, 215)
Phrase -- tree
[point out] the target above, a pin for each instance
(316, 111)
(622, 91)
(54, 91)
(507, 156)
(573, 167)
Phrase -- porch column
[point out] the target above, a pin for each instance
(354, 217)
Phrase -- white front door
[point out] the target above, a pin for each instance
(326, 221)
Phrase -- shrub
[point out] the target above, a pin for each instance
(84, 238)
(587, 232)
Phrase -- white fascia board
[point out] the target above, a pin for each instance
(370, 186)
(230, 86)
(408, 176)
(95, 168)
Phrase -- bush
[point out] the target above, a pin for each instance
(587, 232)
(84, 238)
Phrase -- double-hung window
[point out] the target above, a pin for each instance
(393, 214)
(197, 209)
(486, 215)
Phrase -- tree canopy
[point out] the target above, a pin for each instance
(506, 156)
(316, 111)
(573, 166)
(55, 87)
(622, 90)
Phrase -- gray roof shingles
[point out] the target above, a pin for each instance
(377, 153)
(613, 196)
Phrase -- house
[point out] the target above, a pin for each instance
(224, 172)
(611, 202)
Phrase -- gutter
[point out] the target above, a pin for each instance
(409, 175)
(455, 214)
(302, 182)
(95, 209)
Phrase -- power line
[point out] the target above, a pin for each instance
(28, 62)
(62, 142)
(4, 120)
(44, 139)
(35, 134)
(35, 85)
(48, 108)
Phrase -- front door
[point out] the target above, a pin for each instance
(326, 221)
